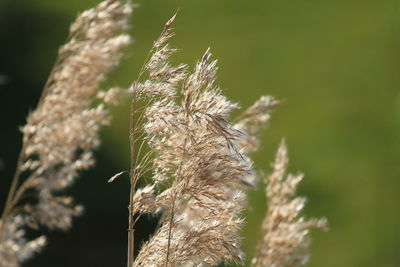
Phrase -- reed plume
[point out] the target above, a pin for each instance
(284, 241)
(197, 168)
(199, 163)
(62, 131)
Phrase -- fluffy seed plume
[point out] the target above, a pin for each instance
(62, 131)
(197, 168)
(284, 240)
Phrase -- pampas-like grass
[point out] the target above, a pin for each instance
(198, 171)
(62, 131)
(285, 239)
(180, 133)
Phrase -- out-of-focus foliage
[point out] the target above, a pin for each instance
(336, 65)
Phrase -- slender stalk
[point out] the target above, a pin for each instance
(12, 197)
(171, 218)
(134, 176)
(131, 232)
(15, 181)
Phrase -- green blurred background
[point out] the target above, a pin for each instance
(335, 63)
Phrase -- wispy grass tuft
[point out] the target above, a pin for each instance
(61, 133)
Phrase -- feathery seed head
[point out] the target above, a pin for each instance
(196, 160)
(62, 131)
(285, 233)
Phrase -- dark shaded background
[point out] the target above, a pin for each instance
(336, 65)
